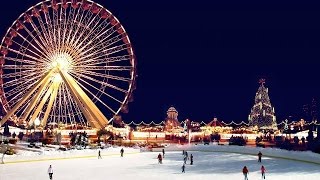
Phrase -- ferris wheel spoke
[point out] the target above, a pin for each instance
(43, 54)
(105, 52)
(93, 33)
(68, 108)
(68, 104)
(16, 98)
(102, 92)
(22, 87)
(63, 18)
(86, 38)
(17, 81)
(63, 106)
(100, 82)
(23, 60)
(64, 103)
(50, 29)
(56, 30)
(23, 67)
(78, 24)
(24, 107)
(89, 46)
(53, 114)
(41, 104)
(92, 73)
(19, 73)
(103, 30)
(61, 23)
(13, 83)
(46, 32)
(35, 100)
(87, 20)
(106, 68)
(97, 60)
(26, 49)
(58, 106)
(70, 25)
(75, 106)
(104, 44)
(95, 97)
(42, 46)
(42, 38)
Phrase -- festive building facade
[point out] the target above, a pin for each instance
(171, 121)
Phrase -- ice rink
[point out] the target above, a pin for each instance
(207, 165)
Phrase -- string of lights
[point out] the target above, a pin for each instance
(232, 123)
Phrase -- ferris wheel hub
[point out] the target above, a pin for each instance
(62, 61)
(57, 78)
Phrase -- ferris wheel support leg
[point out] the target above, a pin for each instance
(50, 104)
(88, 104)
(83, 99)
(35, 100)
(40, 106)
(23, 100)
(87, 115)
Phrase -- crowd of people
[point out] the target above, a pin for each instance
(238, 140)
(186, 157)
(245, 169)
(78, 138)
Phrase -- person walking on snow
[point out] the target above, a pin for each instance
(159, 158)
(99, 155)
(259, 156)
(163, 153)
(183, 168)
(50, 172)
(263, 172)
(185, 160)
(245, 172)
(121, 152)
(191, 159)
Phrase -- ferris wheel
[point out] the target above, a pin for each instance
(68, 61)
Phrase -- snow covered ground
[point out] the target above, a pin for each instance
(144, 165)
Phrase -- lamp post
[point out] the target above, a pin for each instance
(36, 123)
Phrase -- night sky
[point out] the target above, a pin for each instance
(206, 57)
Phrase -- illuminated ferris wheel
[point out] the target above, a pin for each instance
(67, 61)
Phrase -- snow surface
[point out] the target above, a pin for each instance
(144, 165)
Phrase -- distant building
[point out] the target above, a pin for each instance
(311, 111)
(262, 114)
(171, 121)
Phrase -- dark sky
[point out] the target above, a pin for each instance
(205, 57)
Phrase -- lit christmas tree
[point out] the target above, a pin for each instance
(262, 114)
